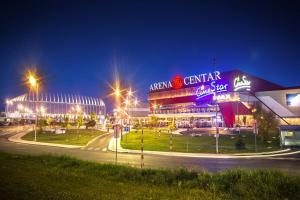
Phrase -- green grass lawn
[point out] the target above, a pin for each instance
(187, 143)
(51, 177)
(72, 136)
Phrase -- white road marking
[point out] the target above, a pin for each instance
(274, 158)
(20, 148)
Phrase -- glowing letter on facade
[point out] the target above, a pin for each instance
(241, 83)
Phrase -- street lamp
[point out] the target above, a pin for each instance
(117, 94)
(127, 102)
(217, 127)
(130, 93)
(32, 81)
(130, 105)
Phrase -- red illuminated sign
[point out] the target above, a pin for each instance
(177, 82)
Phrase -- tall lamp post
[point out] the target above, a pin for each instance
(217, 126)
(117, 94)
(129, 105)
(34, 85)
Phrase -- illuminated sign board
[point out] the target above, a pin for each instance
(225, 97)
(213, 88)
(178, 81)
(222, 97)
(293, 99)
(241, 83)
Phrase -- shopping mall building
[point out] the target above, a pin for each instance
(55, 106)
(226, 98)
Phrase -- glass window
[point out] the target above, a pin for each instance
(289, 133)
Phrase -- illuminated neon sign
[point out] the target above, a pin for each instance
(178, 81)
(225, 97)
(222, 97)
(241, 83)
(204, 91)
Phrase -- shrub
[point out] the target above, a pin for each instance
(240, 144)
(91, 123)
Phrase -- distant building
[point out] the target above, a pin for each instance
(54, 106)
(141, 110)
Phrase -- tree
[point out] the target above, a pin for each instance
(49, 120)
(66, 121)
(41, 123)
(136, 124)
(91, 123)
(153, 121)
(79, 121)
(172, 126)
(267, 122)
(240, 144)
(93, 116)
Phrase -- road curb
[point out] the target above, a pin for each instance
(111, 147)
(17, 139)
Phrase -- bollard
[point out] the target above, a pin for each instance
(171, 141)
(142, 149)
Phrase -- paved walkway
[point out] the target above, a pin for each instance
(99, 143)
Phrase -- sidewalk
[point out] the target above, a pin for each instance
(112, 147)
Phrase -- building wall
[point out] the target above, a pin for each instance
(277, 100)
(292, 121)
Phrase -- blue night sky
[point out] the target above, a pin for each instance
(77, 45)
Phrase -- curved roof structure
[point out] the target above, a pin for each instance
(60, 98)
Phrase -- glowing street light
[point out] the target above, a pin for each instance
(127, 102)
(32, 81)
(117, 93)
(130, 93)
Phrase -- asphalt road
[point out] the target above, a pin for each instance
(289, 163)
